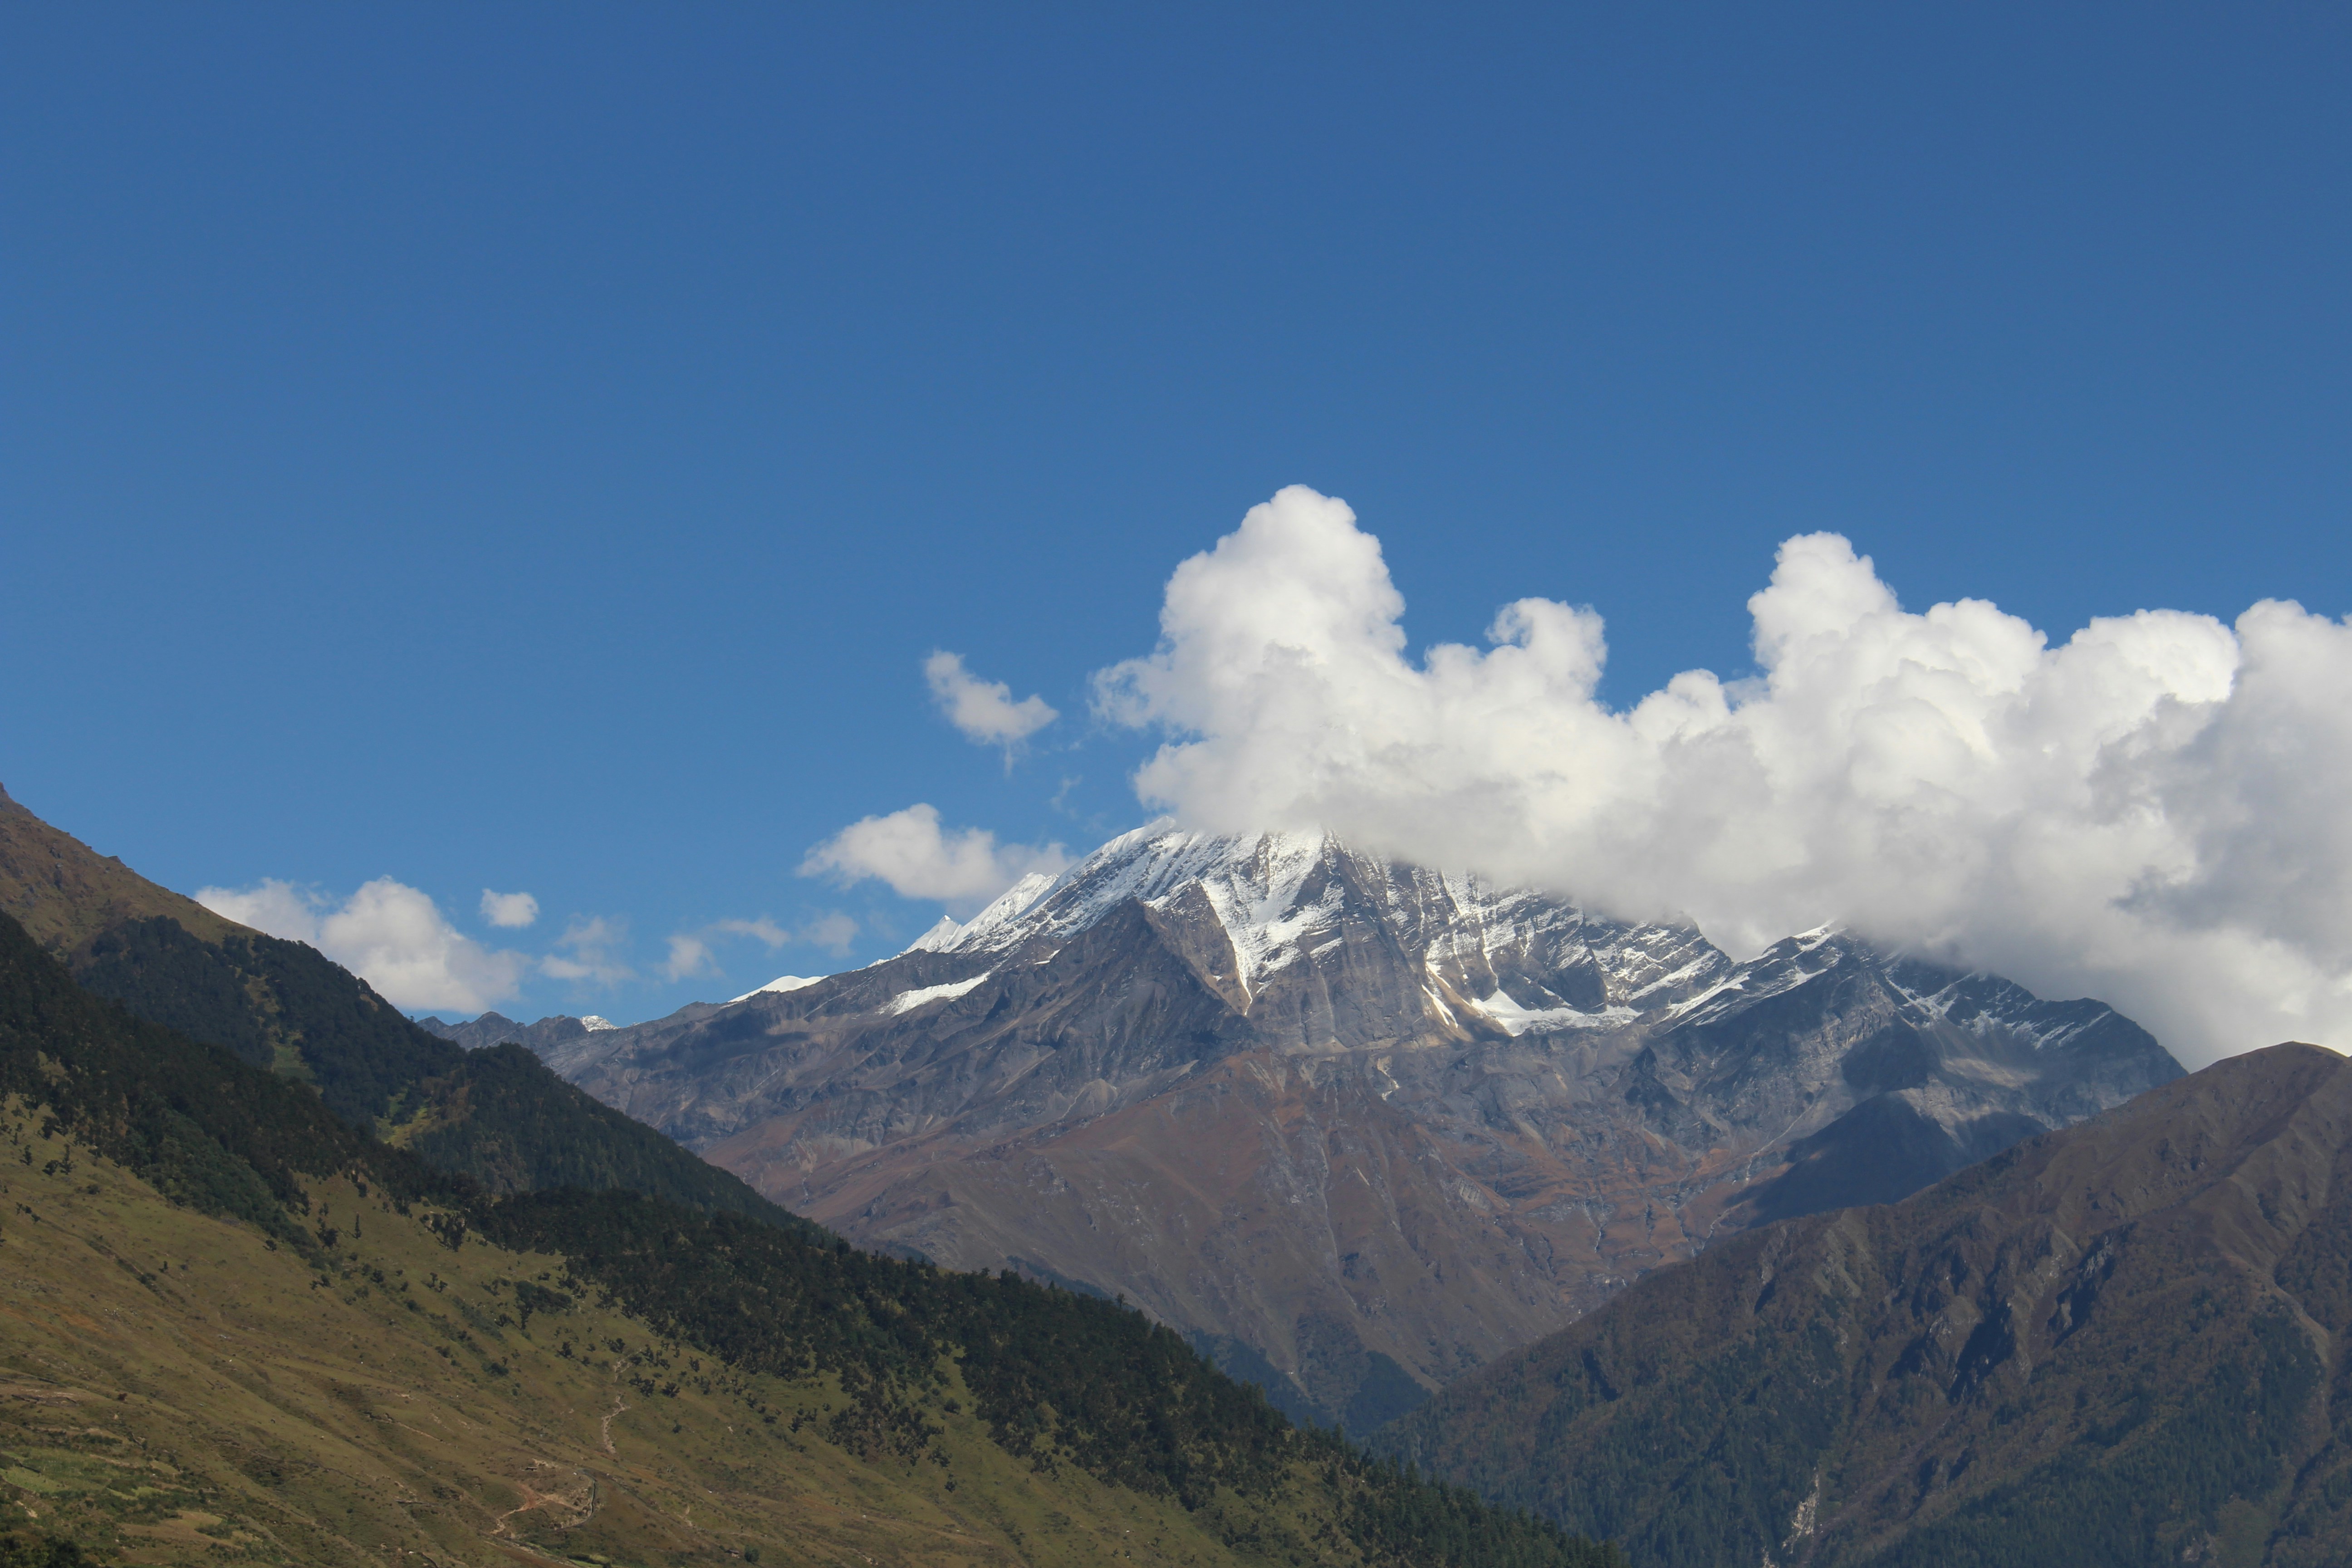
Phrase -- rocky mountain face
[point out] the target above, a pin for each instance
(1355, 1126)
(2122, 1344)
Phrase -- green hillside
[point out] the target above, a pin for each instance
(2123, 1343)
(238, 1328)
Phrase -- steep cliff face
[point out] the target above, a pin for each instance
(1357, 1126)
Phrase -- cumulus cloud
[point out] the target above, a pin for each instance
(2151, 813)
(510, 911)
(983, 709)
(389, 934)
(590, 949)
(963, 868)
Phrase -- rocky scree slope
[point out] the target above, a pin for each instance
(2122, 1344)
(1356, 1126)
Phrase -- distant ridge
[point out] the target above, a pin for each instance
(497, 1029)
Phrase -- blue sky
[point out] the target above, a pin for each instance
(536, 448)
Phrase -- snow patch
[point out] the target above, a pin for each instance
(781, 982)
(1504, 1009)
(592, 1023)
(908, 1001)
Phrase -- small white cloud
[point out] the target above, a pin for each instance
(833, 932)
(389, 934)
(983, 709)
(963, 868)
(689, 956)
(509, 910)
(591, 952)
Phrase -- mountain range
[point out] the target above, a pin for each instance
(287, 1278)
(258, 1303)
(1355, 1127)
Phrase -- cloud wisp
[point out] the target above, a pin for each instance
(692, 953)
(984, 711)
(389, 934)
(907, 850)
(2150, 813)
(590, 950)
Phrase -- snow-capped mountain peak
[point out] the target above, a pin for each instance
(1276, 899)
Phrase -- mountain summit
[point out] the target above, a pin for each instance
(1355, 1126)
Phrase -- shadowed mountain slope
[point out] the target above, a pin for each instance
(1357, 1127)
(233, 1326)
(2125, 1342)
(500, 1117)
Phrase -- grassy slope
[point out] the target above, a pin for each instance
(177, 1390)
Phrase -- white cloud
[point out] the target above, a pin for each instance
(2151, 813)
(389, 934)
(983, 709)
(963, 868)
(689, 955)
(269, 905)
(510, 911)
(592, 951)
